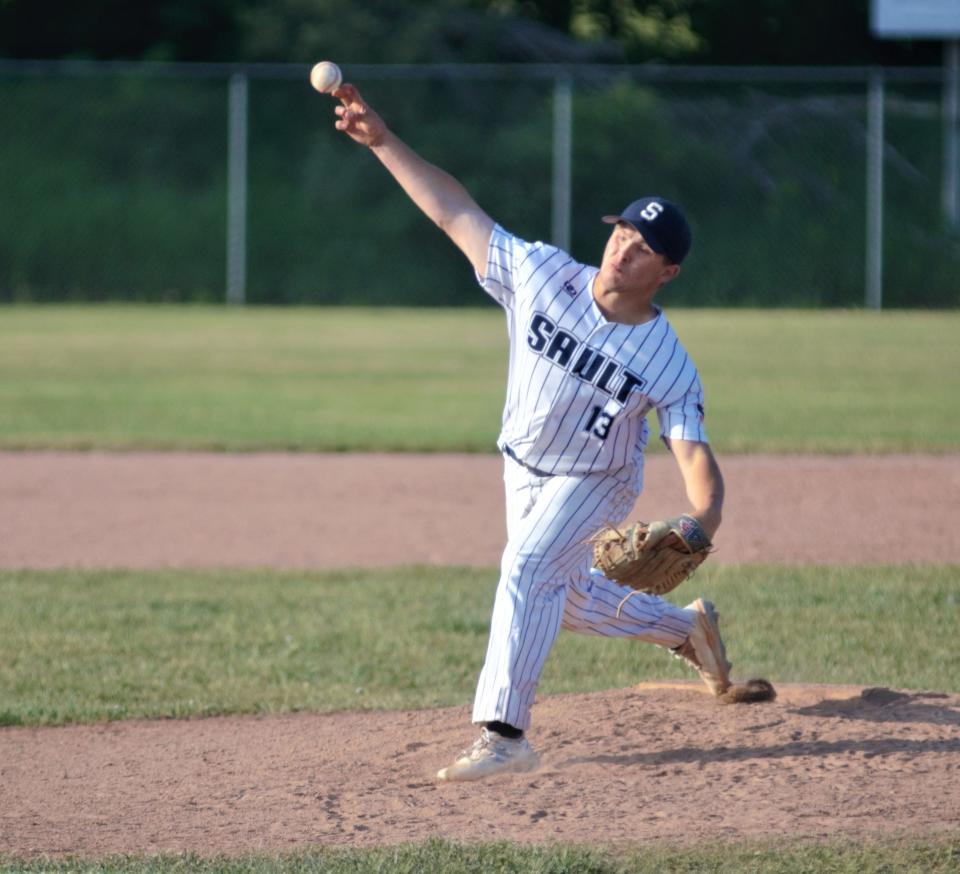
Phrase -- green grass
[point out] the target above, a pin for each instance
(828, 381)
(431, 857)
(96, 645)
(171, 377)
(215, 378)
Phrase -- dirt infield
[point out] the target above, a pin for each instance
(192, 510)
(653, 762)
(642, 764)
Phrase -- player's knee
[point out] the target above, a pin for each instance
(529, 571)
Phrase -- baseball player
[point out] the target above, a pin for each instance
(590, 355)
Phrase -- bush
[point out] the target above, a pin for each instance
(114, 188)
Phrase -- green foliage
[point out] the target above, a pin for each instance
(77, 646)
(644, 30)
(734, 31)
(328, 225)
(377, 31)
(116, 188)
(433, 380)
(773, 181)
(113, 188)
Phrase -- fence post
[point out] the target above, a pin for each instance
(237, 189)
(874, 198)
(951, 133)
(562, 148)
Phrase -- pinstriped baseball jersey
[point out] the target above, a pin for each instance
(579, 387)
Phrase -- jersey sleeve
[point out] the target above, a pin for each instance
(681, 417)
(506, 257)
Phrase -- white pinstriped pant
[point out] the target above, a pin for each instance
(546, 582)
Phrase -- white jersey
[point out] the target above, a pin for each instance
(580, 387)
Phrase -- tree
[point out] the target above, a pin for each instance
(638, 31)
(184, 30)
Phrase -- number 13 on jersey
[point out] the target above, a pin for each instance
(599, 422)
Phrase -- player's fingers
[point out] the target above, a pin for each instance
(673, 541)
(347, 94)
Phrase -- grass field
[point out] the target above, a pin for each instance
(434, 857)
(80, 646)
(94, 645)
(433, 380)
(99, 645)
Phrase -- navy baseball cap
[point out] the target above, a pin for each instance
(662, 224)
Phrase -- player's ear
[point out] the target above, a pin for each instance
(670, 272)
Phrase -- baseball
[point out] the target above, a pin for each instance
(326, 77)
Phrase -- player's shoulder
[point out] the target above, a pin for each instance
(663, 343)
(665, 326)
(543, 268)
(536, 249)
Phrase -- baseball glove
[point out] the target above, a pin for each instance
(652, 558)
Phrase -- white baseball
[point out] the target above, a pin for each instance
(326, 77)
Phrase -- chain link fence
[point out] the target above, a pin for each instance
(186, 182)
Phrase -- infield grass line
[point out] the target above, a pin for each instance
(377, 379)
(81, 646)
(921, 856)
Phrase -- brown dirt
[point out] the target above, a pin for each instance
(653, 762)
(192, 510)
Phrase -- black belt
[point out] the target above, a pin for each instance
(506, 450)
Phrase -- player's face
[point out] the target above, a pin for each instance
(630, 264)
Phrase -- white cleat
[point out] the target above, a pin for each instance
(491, 754)
(704, 647)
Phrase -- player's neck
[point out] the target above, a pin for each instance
(625, 307)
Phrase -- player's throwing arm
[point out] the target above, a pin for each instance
(441, 197)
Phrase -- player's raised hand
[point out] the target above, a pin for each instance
(356, 119)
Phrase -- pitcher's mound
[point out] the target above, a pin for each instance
(659, 761)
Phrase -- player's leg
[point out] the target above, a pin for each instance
(546, 550)
(599, 606)
(521, 488)
(596, 605)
